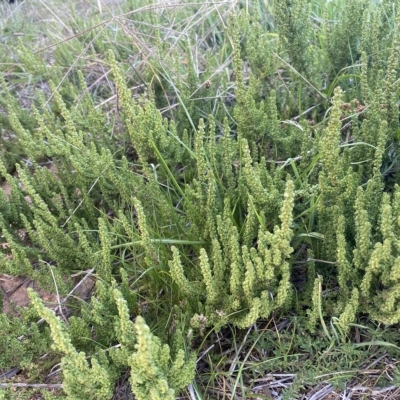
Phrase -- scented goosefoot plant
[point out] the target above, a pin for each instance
(195, 214)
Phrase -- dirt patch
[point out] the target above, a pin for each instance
(14, 290)
(6, 188)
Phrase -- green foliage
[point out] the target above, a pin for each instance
(21, 340)
(182, 200)
(344, 35)
(295, 32)
(81, 380)
(153, 375)
(240, 280)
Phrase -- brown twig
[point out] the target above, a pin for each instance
(34, 385)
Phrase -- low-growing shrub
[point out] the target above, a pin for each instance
(206, 217)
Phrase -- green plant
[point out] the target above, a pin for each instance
(235, 172)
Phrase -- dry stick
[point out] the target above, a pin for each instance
(373, 391)
(360, 371)
(305, 112)
(34, 385)
(322, 393)
(89, 273)
(217, 71)
(377, 360)
(94, 84)
(205, 353)
(191, 392)
(80, 203)
(321, 261)
(10, 373)
(57, 293)
(5, 294)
